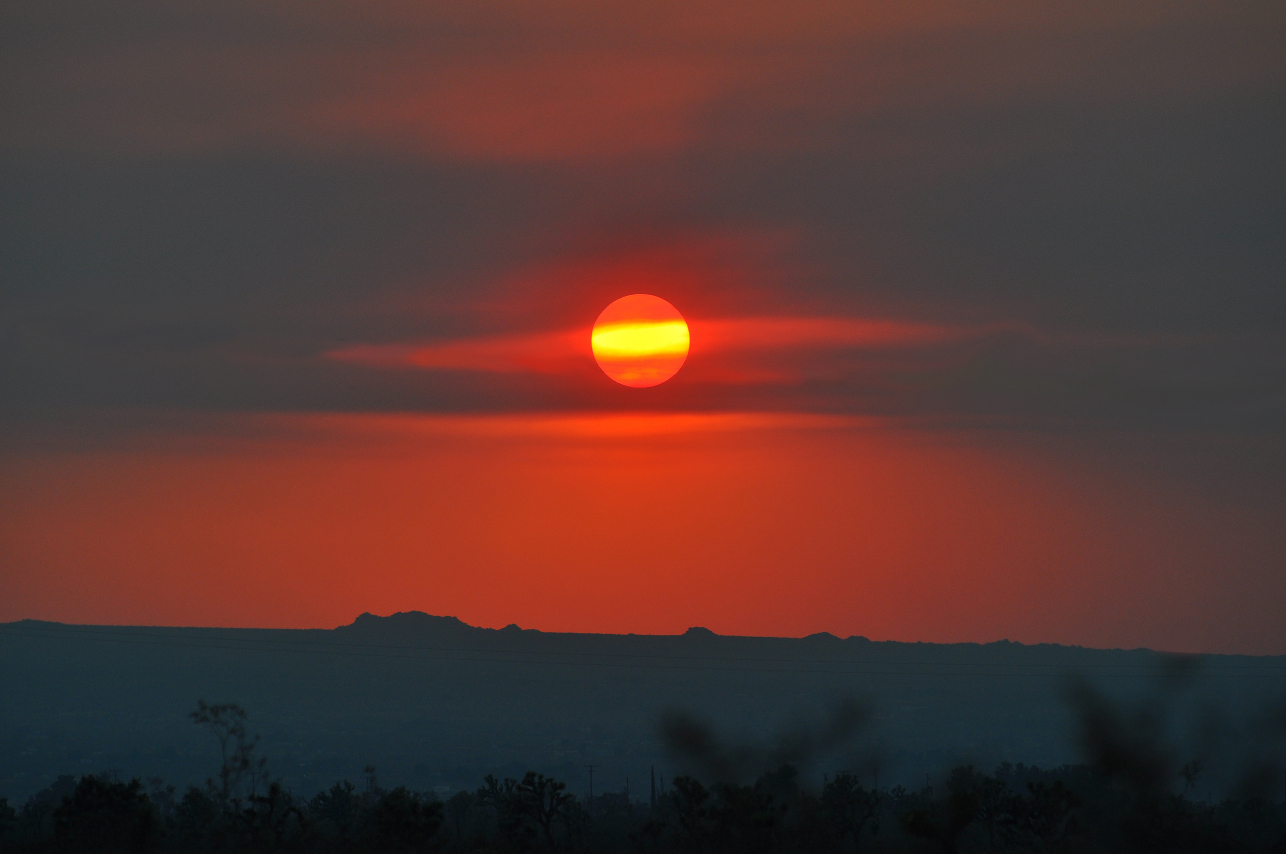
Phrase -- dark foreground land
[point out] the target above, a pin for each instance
(1119, 804)
(754, 744)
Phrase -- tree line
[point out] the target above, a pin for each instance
(1125, 799)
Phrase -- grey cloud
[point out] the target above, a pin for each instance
(1105, 181)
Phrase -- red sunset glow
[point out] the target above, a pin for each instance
(745, 523)
(940, 269)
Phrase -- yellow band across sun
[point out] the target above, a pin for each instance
(631, 340)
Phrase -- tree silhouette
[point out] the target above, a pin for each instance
(105, 816)
(8, 819)
(227, 723)
(403, 822)
(458, 809)
(848, 807)
(944, 820)
(339, 807)
(691, 802)
(535, 800)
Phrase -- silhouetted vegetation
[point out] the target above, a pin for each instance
(1015, 808)
(1133, 795)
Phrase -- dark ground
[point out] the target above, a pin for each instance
(435, 704)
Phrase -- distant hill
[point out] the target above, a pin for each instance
(434, 702)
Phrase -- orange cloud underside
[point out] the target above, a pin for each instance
(746, 524)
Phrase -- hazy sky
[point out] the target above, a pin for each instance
(987, 305)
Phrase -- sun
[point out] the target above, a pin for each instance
(640, 340)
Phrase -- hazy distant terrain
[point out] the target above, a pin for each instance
(433, 702)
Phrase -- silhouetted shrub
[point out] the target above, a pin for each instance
(106, 816)
(403, 822)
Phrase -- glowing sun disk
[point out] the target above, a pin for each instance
(640, 340)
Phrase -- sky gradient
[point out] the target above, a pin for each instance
(986, 304)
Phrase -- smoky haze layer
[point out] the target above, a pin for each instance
(199, 203)
(435, 703)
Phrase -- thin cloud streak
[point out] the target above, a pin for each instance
(551, 352)
(541, 353)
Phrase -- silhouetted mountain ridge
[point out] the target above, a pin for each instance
(407, 623)
(410, 626)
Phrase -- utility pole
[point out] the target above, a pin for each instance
(591, 783)
(653, 787)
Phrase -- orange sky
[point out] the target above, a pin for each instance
(745, 524)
